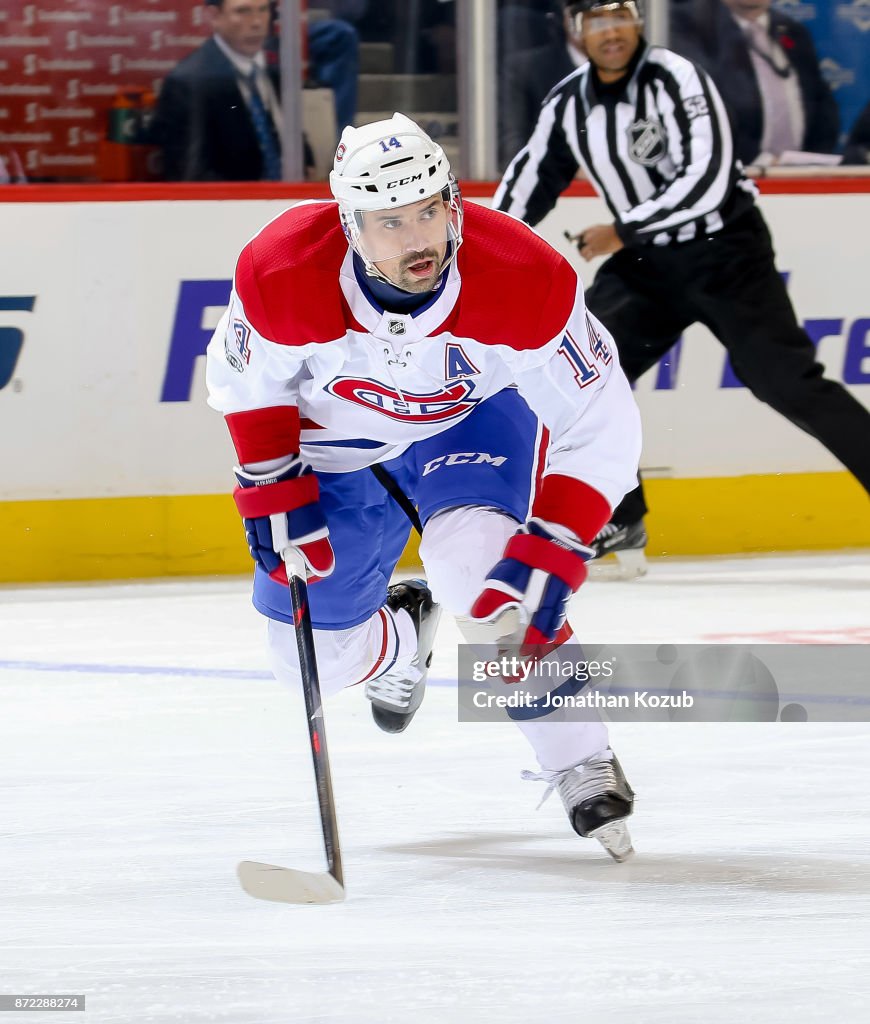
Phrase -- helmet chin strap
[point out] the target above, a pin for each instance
(372, 271)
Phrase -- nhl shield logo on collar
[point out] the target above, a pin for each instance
(397, 327)
(647, 141)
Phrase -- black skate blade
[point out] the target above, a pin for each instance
(288, 885)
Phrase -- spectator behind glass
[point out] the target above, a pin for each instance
(217, 116)
(526, 24)
(525, 78)
(333, 52)
(767, 70)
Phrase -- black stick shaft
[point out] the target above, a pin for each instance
(398, 495)
(314, 710)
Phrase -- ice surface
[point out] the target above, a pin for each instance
(144, 751)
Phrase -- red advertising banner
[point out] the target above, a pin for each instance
(77, 80)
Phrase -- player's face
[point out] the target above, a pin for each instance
(610, 39)
(242, 24)
(408, 244)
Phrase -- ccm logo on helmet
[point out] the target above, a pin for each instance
(405, 181)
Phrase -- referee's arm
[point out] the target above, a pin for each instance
(542, 169)
(701, 147)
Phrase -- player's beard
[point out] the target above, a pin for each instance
(409, 282)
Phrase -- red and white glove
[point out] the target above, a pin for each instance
(280, 506)
(281, 509)
(540, 571)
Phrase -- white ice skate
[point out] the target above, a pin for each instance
(627, 543)
(597, 799)
(397, 694)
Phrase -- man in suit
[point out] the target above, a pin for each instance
(217, 116)
(526, 76)
(766, 67)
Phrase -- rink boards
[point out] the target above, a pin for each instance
(114, 466)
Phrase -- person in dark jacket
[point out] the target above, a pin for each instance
(218, 116)
(766, 68)
(525, 78)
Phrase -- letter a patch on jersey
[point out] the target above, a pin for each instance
(236, 346)
(457, 364)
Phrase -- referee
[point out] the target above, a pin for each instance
(687, 243)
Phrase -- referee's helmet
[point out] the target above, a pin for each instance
(577, 8)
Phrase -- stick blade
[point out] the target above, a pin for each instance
(287, 885)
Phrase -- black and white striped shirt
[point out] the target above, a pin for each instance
(657, 147)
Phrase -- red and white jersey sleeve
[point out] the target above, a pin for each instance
(584, 399)
(301, 331)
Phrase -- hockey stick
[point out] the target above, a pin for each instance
(398, 495)
(289, 885)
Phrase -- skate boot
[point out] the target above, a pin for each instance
(625, 540)
(598, 799)
(397, 694)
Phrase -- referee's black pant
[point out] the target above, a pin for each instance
(647, 296)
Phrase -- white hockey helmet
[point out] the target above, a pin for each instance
(387, 165)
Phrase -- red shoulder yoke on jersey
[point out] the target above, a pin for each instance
(517, 290)
(287, 277)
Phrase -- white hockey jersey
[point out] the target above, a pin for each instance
(303, 331)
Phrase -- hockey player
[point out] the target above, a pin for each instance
(393, 327)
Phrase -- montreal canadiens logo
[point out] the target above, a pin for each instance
(407, 407)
